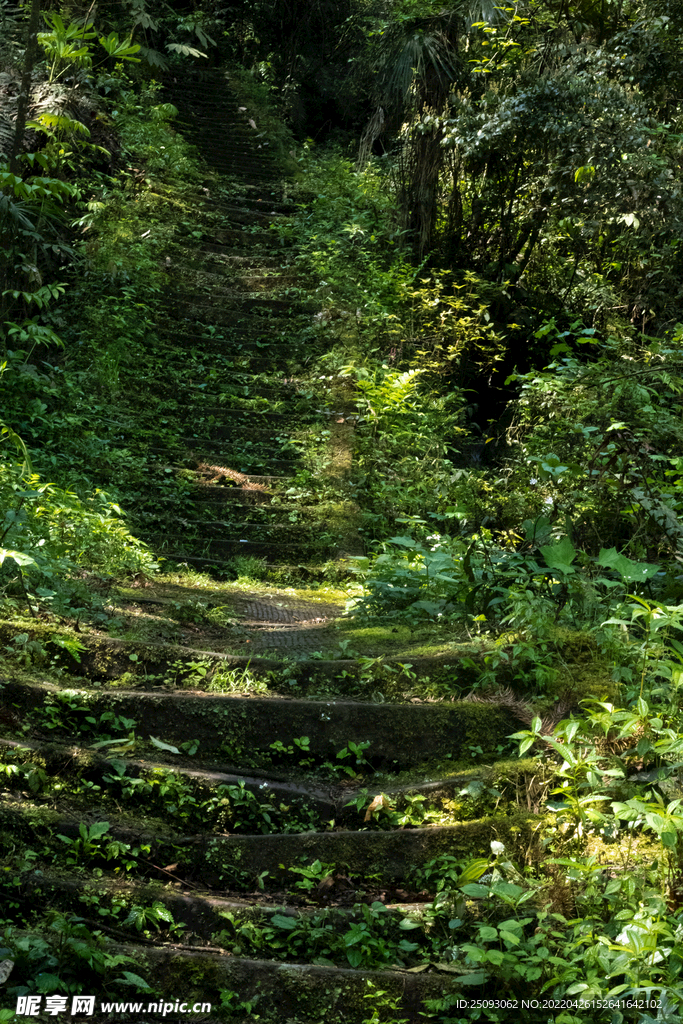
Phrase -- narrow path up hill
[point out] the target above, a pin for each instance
(294, 819)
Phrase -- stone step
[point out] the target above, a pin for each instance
(400, 735)
(259, 203)
(180, 548)
(390, 856)
(215, 276)
(237, 327)
(197, 452)
(229, 532)
(242, 215)
(240, 301)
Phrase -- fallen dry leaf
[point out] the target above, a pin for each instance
(380, 801)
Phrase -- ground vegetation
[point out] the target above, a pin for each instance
(341, 608)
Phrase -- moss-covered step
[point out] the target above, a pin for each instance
(399, 735)
(64, 760)
(203, 914)
(226, 861)
(233, 863)
(102, 658)
(460, 795)
(215, 983)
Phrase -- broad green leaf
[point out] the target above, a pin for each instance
(632, 572)
(160, 745)
(354, 956)
(472, 871)
(16, 556)
(280, 921)
(507, 889)
(97, 830)
(476, 978)
(48, 982)
(135, 981)
(560, 556)
(477, 892)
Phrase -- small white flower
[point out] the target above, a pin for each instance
(497, 848)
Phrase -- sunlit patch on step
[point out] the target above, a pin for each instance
(222, 476)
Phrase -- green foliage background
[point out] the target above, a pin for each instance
(491, 219)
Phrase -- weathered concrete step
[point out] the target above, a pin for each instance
(237, 410)
(179, 547)
(240, 415)
(197, 450)
(243, 277)
(392, 856)
(217, 139)
(202, 130)
(237, 256)
(202, 913)
(230, 299)
(258, 168)
(240, 328)
(211, 496)
(400, 735)
(264, 245)
(275, 427)
(221, 533)
(276, 529)
(307, 570)
(212, 377)
(228, 283)
(270, 518)
(186, 453)
(244, 480)
(249, 322)
(284, 991)
(238, 241)
(208, 506)
(237, 261)
(266, 202)
(234, 329)
(261, 433)
(281, 610)
(255, 153)
(207, 475)
(62, 758)
(212, 127)
(249, 426)
(233, 215)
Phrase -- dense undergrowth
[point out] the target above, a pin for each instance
(546, 539)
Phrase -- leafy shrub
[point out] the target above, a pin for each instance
(52, 531)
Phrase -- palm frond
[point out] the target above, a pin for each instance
(6, 135)
(522, 710)
(9, 89)
(425, 60)
(60, 100)
(12, 213)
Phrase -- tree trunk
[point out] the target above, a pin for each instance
(25, 91)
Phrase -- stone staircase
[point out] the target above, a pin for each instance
(245, 798)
